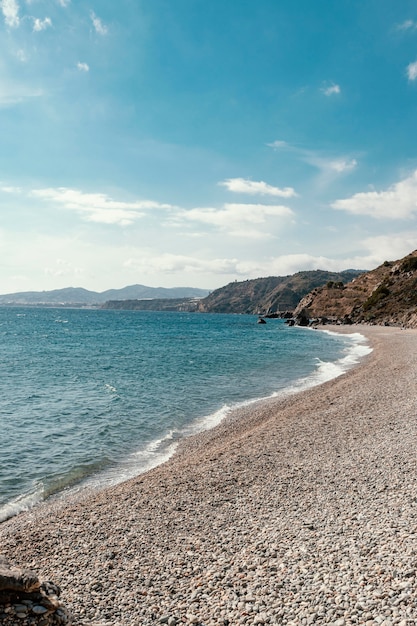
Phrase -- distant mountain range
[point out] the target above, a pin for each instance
(264, 296)
(385, 295)
(72, 296)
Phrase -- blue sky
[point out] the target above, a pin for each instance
(193, 143)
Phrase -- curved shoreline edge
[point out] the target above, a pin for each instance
(296, 507)
(157, 452)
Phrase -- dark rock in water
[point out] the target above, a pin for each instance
(261, 321)
(302, 318)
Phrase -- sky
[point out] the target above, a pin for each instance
(193, 143)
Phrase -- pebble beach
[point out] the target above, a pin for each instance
(293, 511)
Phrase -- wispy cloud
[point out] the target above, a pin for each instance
(64, 3)
(331, 90)
(241, 220)
(399, 201)
(389, 247)
(10, 10)
(9, 189)
(412, 71)
(14, 93)
(99, 27)
(180, 264)
(407, 25)
(329, 166)
(39, 25)
(243, 185)
(372, 252)
(278, 144)
(21, 55)
(83, 67)
(98, 207)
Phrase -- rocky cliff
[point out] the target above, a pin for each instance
(269, 296)
(385, 295)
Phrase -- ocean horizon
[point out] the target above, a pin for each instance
(91, 398)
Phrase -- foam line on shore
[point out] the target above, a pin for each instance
(159, 451)
(304, 506)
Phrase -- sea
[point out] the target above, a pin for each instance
(90, 398)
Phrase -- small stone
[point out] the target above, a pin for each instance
(39, 610)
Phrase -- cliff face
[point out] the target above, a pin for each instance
(268, 296)
(385, 295)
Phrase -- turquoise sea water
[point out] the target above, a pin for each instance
(94, 397)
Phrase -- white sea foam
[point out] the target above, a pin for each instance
(23, 502)
(356, 348)
(160, 450)
(142, 460)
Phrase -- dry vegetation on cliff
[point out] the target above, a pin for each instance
(385, 295)
(270, 295)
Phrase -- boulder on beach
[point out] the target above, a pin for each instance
(25, 599)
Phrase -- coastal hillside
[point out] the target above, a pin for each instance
(189, 305)
(386, 295)
(269, 296)
(72, 296)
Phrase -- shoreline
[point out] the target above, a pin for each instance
(281, 514)
(158, 451)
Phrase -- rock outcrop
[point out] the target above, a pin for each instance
(26, 600)
(269, 297)
(386, 295)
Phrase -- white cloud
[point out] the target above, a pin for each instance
(83, 67)
(375, 250)
(399, 201)
(11, 93)
(238, 220)
(242, 185)
(10, 10)
(331, 90)
(39, 25)
(277, 144)
(99, 27)
(328, 166)
(64, 3)
(407, 25)
(9, 189)
(98, 207)
(412, 71)
(180, 264)
(389, 247)
(61, 268)
(340, 165)
(21, 55)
